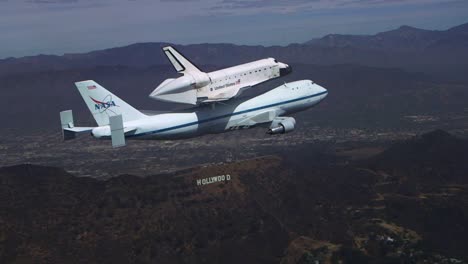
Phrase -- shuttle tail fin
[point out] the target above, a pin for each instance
(103, 104)
(180, 63)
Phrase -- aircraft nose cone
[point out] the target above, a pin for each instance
(323, 91)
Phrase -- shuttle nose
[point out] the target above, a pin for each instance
(285, 70)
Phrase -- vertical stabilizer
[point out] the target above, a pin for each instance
(117, 131)
(66, 118)
(103, 104)
(180, 63)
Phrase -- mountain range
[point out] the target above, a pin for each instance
(404, 39)
(406, 47)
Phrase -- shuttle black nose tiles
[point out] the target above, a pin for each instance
(285, 71)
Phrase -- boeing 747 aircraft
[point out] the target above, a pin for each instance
(118, 120)
(197, 87)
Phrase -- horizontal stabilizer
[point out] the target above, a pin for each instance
(70, 133)
(69, 130)
(78, 130)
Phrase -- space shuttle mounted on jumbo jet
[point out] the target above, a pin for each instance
(197, 87)
(119, 121)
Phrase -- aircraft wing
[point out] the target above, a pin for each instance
(262, 117)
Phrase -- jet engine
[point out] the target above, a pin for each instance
(281, 125)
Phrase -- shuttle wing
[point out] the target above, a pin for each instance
(224, 96)
(220, 96)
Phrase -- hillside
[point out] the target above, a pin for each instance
(404, 39)
(422, 155)
(274, 209)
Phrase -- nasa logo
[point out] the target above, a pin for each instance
(104, 104)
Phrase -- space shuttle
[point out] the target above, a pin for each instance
(196, 87)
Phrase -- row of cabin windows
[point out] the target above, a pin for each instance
(245, 74)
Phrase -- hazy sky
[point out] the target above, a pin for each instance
(31, 27)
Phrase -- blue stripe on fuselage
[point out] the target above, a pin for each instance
(226, 115)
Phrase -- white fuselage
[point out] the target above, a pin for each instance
(228, 82)
(200, 87)
(285, 99)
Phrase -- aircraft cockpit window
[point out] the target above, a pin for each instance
(275, 61)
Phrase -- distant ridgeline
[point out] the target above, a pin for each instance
(405, 47)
